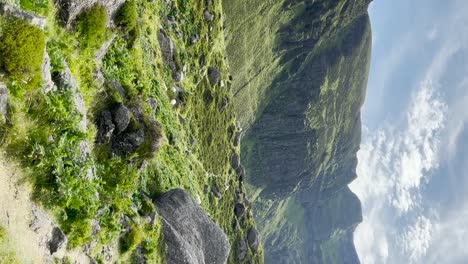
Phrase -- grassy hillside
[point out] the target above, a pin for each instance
(308, 81)
(101, 197)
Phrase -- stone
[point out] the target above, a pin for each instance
(235, 160)
(214, 75)
(224, 103)
(208, 16)
(215, 190)
(116, 86)
(189, 234)
(167, 51)
(120, 117)
(127, 143)
(253, 238)
(3, 102)
(68, 10)
(241, 173)
(8, 10)
(105, 127)
(239, 210)
(47, 83)
(241, 250)
(237, 139)
(57, 241)
(153, 104)
(99, 55)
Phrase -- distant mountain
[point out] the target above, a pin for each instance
(300, 73)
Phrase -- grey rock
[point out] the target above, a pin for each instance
(214, 75)
(189, 234)
(99, 55)
(3, 102)
(116, 86)
(48, 84)
(98, 77)
(241, 173)
(241, 250)
(120, 117)
(253, 238)
(224, 103)
(215, 190)
(105, 127)
(57, 241)
(208, 16)
(138, 257)
(70, 9)
(127, 143)
(235, 160)
(168, 53)
(239, 210)
(237, 138)
(153, 104)
(8, 10)
(65, 81)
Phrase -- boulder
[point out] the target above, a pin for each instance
(214, 75)
(128, 142)
(253, 238)
(57, 241)
(239, 210)
(241, 250)
(105, 127)
(8, 10)
(189, 234)
(120, 117)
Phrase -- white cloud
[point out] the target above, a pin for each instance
(393, 164)
(417, 239)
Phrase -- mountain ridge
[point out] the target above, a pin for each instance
(301, 141)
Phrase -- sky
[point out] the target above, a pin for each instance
(413, 162)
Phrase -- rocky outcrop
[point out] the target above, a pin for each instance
(70, 9)
(8, 10)
(189, 234)
(168, 53)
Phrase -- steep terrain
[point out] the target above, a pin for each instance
(106, 107)
(300, 74)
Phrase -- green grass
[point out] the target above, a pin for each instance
(21, 52)
(40, 7)
(7, 255)
(91, 27)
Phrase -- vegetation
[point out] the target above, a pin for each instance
(127, 16)
(131, 239)
(21, 51)
(98, 196)
(7, 255)
(91, 27)
(40, 7)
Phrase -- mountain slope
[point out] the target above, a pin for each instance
(298, 92)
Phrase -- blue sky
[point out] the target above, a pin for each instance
(413, 162)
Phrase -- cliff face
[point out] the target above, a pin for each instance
(300, 73)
